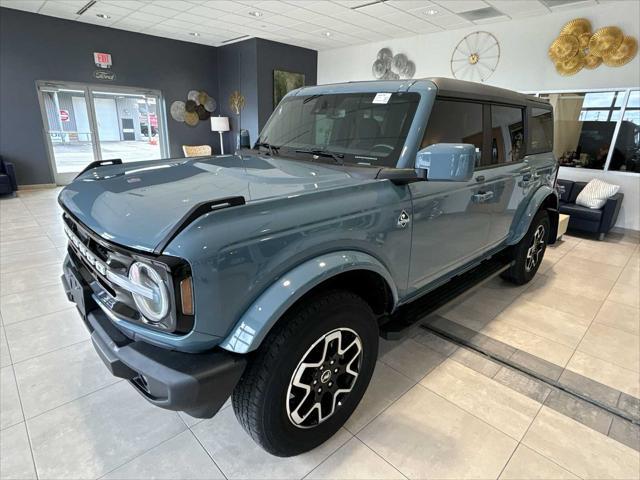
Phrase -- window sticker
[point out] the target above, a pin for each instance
(382, 98)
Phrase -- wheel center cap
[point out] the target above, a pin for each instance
(326, 375)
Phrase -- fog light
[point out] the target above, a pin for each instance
(156, 306)
(186, 296)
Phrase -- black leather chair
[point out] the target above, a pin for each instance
(588, 219)
(8, 182)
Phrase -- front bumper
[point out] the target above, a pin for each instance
(197, 383)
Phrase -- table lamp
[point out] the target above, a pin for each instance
(220, 124)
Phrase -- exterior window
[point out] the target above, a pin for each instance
(584, 126)
(455, 122)
(507, 134)
(626, 152)
(541, 130)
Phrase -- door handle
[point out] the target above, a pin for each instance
(482, 197)
(528, 179)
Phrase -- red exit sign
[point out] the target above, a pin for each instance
(102, 60)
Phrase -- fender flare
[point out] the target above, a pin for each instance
(259, 318)
(526, 217)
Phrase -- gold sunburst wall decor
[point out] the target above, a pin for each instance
(576, 47)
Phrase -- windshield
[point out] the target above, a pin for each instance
(361, 128)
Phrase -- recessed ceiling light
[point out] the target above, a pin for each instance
(194, 34)
(327, 34)
(103, 15)
(255, 13)
(431, 11)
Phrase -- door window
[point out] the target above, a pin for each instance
(453, 121)
(507, 134)
(127, 126)
(541, 130)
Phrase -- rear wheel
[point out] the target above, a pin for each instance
(309, 374)
(529, 252)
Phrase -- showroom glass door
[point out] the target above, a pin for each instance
(68, 129)
(128, 125)
(84, 123)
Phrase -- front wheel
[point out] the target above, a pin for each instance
(309, 374)
(529, 252)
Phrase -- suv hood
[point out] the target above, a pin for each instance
(137, 204)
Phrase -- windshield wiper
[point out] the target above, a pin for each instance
(272, 148)
(337, 157)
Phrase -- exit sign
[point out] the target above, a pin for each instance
(102, 60)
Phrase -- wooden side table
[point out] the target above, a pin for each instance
(563, 223)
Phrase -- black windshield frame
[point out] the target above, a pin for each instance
(362, 128)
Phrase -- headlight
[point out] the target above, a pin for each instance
(155, 306)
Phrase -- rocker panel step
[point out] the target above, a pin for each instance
(408, 315)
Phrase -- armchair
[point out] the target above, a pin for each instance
(8, 183)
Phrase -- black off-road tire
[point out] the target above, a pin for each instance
(522, 272)
(259, 399)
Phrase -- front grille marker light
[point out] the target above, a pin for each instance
(186, 296)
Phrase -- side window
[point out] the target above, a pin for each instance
(507, 134)
(541, 130)
(452, 121)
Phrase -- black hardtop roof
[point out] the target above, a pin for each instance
(447, 87)
(451, 87)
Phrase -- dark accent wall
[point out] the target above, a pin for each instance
(37, 47)
(248, 67)
(237, 71)
(279, 56)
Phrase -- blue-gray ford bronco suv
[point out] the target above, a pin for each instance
(269, 275)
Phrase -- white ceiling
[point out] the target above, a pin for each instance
(316, 24)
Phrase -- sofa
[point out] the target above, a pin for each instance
(8, 182)
(587, 219)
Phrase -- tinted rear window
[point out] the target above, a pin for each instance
(541, 130)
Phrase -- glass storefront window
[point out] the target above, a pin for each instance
(584, 126)
(626, 152)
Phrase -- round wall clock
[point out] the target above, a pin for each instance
(476, 57)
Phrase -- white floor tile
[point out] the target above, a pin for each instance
(180, 457)
(48, 381)
(43, 334)
(426, 436)
(16, 461)
(239, 457)
(10, 408)
(95, 434)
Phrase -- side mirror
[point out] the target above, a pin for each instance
(453, 162)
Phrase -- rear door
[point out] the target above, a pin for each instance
(451, 220)
(506, 173)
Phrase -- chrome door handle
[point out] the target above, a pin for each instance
(481, 197)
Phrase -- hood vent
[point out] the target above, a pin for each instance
(481, 14)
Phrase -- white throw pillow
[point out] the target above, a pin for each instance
(595, 194)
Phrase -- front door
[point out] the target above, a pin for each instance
(451, 220)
